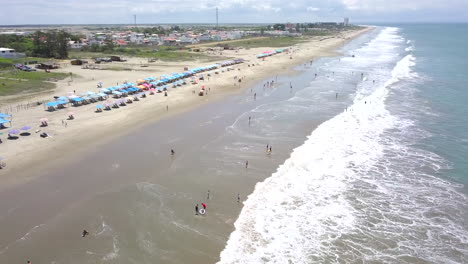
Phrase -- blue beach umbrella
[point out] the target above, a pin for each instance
(13, 131)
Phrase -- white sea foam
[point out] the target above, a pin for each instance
(293, 216)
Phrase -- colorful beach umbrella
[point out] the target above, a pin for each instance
(70, 113)
(25, 128)
(43, 119)
(13, 131)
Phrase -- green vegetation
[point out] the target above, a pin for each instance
(18, 43)
(5, 63)
(16, 81)
(53, 44)
(165, 53)
(273, 42)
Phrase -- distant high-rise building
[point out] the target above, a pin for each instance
(346, 21)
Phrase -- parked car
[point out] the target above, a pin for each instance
(22, 67)
(47, 66)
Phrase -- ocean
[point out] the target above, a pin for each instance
(384, 180)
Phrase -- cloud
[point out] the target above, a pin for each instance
(401, 5)
(313, 9)
(231, 11)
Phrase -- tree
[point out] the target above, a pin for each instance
(279, 27)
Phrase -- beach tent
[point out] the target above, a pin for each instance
(2, 115)
(51, 104)
(3, 121)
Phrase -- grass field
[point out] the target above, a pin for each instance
(273, 42)
(163, 53)
(15, 82)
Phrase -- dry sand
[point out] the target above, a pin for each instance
(32, 153)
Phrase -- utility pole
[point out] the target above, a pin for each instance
(216, 18)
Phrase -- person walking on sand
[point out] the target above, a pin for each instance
(208, 195)
(270, 149)
(246, 164)
(249, 119)
(85, 233)
(238, 198)
(196, 209)
(204, 205)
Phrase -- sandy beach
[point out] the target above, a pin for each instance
(112, 174)
(32, 153)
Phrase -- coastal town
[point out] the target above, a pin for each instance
(174, 35)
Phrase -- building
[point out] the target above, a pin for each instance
(10, 53)
(346, 21)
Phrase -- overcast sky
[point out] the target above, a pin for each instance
(14, 12)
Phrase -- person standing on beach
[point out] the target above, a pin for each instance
(208, 195)
(204, 205)
(255, 96)
(238, 198)
(172, 152)
(85, 233)
(267, 148)
(336, 96)
(246, 164)
(196, 209)
(270, 149)
(249, 119)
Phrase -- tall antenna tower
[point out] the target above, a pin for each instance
(134, 19)
(216, 18)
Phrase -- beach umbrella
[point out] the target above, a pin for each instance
(43, 119)
(99, 106)
(13, 131)
(25, 128)
(70, 113)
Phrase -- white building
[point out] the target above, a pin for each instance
(10, 53)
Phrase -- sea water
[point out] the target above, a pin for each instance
(384, 180)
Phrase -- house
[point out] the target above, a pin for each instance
(205, 37)
(188, 40)
(75, 45)
(170, 41)
(10, 53)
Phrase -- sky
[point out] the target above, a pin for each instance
(17, 12)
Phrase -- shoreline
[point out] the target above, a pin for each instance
(43, 154)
